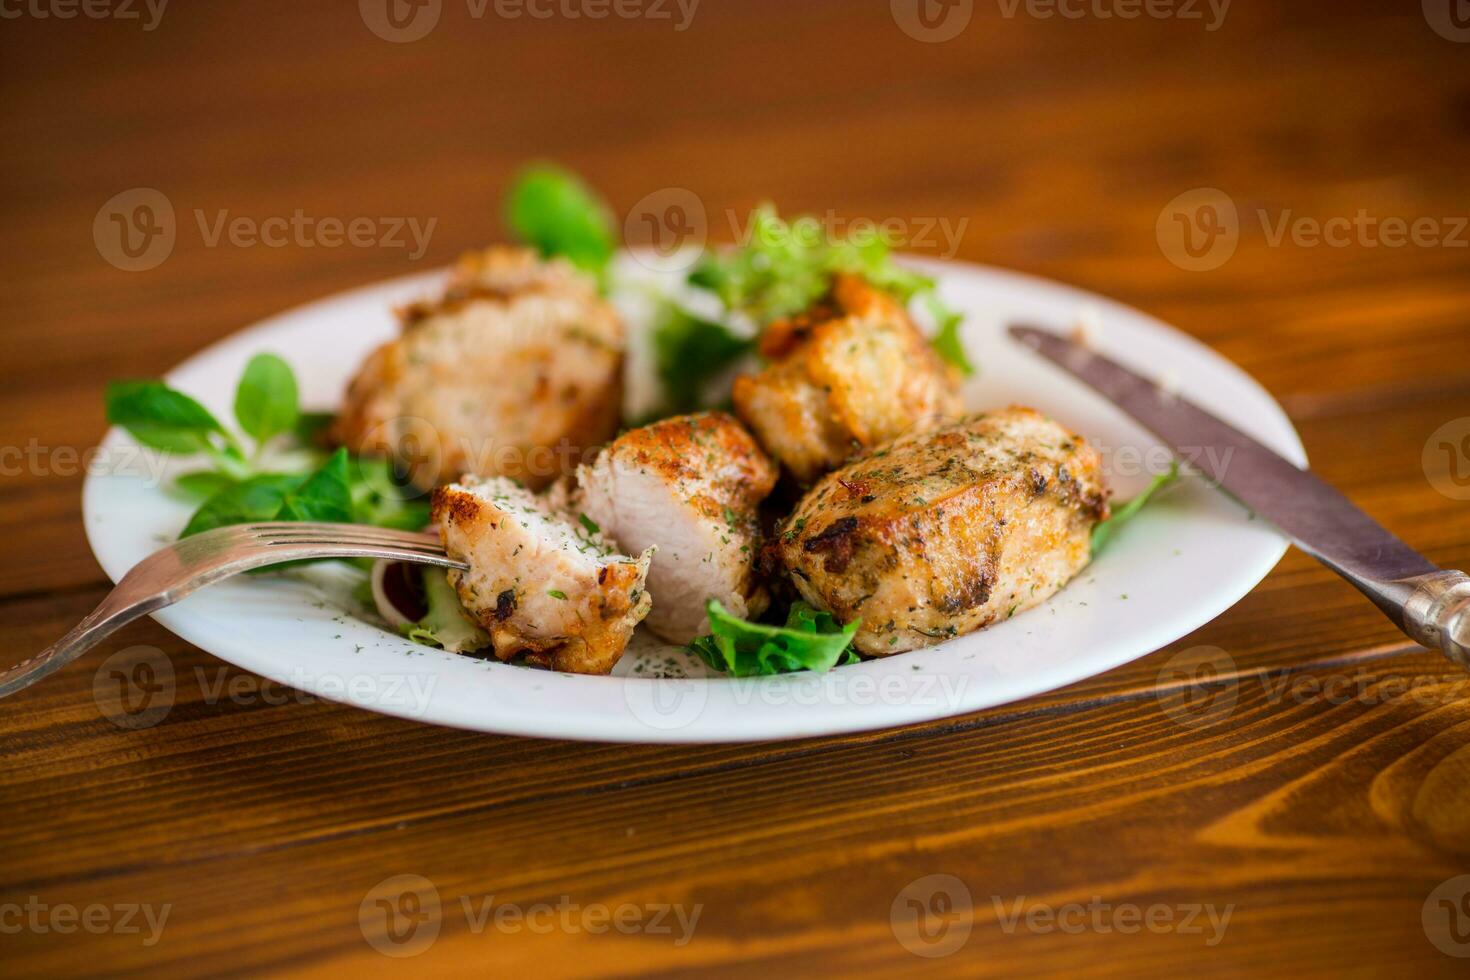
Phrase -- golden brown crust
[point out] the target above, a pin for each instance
(515, 371)
(851, 373)
(939, 534)
(709, 448)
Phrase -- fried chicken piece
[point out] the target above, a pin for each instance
(844, 378)
(941, 533)
(539, 583)
(690, 486)
(515, 371)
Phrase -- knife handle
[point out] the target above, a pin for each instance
(1437, 614)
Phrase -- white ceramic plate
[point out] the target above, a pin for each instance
(1185, 560)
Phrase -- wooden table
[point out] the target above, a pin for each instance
(1322, 810)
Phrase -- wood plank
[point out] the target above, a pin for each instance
(1126, 803)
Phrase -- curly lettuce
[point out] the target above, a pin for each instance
(810, 640)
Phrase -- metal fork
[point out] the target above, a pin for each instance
(171, 573)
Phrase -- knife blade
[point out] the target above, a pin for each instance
(1432, 605)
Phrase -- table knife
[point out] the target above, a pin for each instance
(1430, 604)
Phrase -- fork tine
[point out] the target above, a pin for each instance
(338, 533)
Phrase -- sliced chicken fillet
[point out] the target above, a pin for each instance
(538, 582)
(690, 486)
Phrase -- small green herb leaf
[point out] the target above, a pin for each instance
(257, 499)
(552, 210)
(266, 399)
(946, 341)
(204, 483)
(557, 594)
(1104, 532)
(160, 417)
(378, 499)
(588, 523)
(325, 496)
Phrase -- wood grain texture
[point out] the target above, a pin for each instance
(1315, 787)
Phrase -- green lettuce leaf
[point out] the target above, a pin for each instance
(690, 351)
(810, 640)
(446, 624)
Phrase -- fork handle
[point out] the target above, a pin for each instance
(109, 617)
